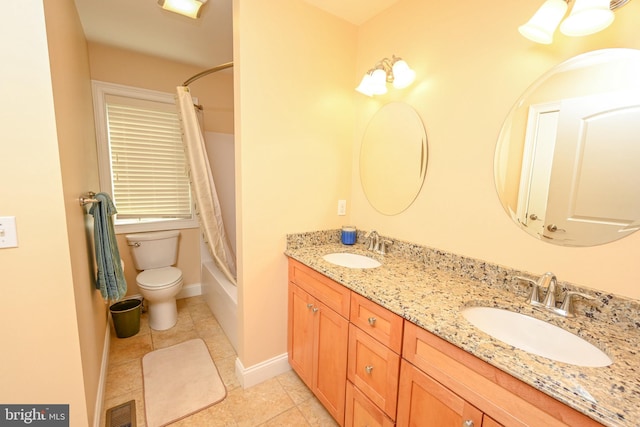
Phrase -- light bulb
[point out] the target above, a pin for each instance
(587, 17)
(366, 87)
(379, 82)
(190, 8)
(403, 76)
(543, 23)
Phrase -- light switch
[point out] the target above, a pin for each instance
(8, 232)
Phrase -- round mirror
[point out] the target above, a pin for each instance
(567, 162)
(393, 158)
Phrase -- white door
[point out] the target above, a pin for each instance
(595, 179)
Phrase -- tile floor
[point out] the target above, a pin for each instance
(280, 401)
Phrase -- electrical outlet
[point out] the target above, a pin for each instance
(8, 233)
(342, 207)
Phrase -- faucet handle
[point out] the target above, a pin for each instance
(566, 309)
(534, 296)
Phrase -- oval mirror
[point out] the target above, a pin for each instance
(393, 158)
(567, 161)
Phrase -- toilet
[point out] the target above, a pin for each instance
(154, 254)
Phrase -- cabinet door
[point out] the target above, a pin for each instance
(300, 333)
(426, 403)
(361, 412)
(330, 353)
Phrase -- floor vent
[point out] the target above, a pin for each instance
(122, 415)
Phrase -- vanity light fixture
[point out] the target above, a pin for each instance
(586, 17)
(394, 70)
(190, 8)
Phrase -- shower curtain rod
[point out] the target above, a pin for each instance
(207, 72)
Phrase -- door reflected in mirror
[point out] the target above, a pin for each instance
(393, 158)
(567, 162)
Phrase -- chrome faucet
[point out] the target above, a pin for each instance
(375, 243)
(548, 280)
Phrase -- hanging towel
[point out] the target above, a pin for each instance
(110, 278)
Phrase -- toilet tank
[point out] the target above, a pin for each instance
(153, 250)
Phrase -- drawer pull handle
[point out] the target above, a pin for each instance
(309, 305)
(369, 368)
(372, 320)
(467, 423)
(315, 309)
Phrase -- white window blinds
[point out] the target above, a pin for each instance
(148, 166)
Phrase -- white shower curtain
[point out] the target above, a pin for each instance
(203, 187)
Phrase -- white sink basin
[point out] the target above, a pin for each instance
(346, 259)
(536, 336)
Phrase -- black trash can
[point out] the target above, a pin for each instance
(126, 317)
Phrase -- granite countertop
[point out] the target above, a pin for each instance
(433, 299)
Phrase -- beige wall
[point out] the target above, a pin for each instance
(470, 72)
(76, 144)
(45, 354)
(294, 131)
(214, 93)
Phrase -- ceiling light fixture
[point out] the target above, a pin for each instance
(190, 8)
(394, 70)
(586, 17)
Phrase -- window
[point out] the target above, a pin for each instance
(141, 158)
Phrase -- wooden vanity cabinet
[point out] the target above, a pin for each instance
(398, 373)
(317, 336)
(438, 375)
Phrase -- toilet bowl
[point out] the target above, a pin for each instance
(159, 286)
(159, 282)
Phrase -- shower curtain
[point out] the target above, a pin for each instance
(203, 187)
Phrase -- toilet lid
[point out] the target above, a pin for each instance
(159, 277)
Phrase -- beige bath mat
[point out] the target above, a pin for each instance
(179, 381)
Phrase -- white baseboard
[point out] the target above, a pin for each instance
(192, 290)
(102, 382)
(263, 371)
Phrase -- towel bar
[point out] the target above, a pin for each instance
(87, 198)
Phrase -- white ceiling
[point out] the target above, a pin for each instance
(142, 26)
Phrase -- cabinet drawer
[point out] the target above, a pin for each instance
(331, 293)
(377, 321)
(361, 412)
(374, 369)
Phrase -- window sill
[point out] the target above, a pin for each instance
(140, 227)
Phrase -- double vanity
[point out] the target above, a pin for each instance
(419, 335)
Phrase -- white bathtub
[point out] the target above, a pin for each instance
(222, 298)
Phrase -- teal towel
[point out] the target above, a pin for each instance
(110, 278)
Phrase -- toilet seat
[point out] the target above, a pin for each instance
(159, 278)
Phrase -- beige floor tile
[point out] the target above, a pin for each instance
(258, 404)
(208, 327)
(292, 417)
(295, 388)
(173, 336)
(315, 414)
(219, 346)
(123, 378)
(227, 370)
(217, 415)
(200, 312)
(127, 349)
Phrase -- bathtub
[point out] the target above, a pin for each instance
(222, 298)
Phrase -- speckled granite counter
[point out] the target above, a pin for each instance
(430, 287)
